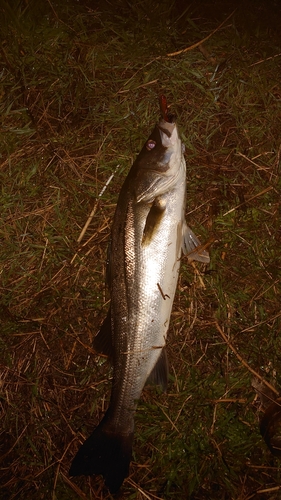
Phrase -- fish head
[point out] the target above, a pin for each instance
(160, 161)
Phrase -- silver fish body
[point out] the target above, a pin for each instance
(148, 235)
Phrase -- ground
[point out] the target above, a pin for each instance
(79, 87)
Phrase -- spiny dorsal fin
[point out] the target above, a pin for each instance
(103, 340)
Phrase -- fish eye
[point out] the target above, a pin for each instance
(150, 144)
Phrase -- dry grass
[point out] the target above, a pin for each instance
(78, 85)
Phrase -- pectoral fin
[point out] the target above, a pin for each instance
(192, 247)
(153, 220)
(160, 372)
(103, 340)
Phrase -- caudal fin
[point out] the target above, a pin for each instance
(104, 453)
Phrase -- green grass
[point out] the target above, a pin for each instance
(79, 86)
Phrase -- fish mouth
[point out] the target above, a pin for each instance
(171, 118)
(167, 132)
(166, 127)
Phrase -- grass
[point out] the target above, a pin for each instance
(79, 86)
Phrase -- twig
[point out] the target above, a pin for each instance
(228, 400)
(253, 163)
(172, 54)
(198, 274)
(244, 363)
(57, 17)
(251, 328)
(15, 443)
(249, 199)
(191, 47)
(88, 221)
(148, 497)
(268, 490)
(74, 486)
(95, 206)
(171, 422)
(263, 60)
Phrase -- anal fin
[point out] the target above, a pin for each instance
(160, 372)
(192, 247)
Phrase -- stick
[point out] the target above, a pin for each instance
(95, 206)
(250, 199)
(191, 47)
(244, 363)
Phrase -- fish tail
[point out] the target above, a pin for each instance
(105, 453)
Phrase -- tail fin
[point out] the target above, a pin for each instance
(104, 453)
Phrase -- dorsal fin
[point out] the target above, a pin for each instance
(103, 340)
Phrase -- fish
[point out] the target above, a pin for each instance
(148, 236)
